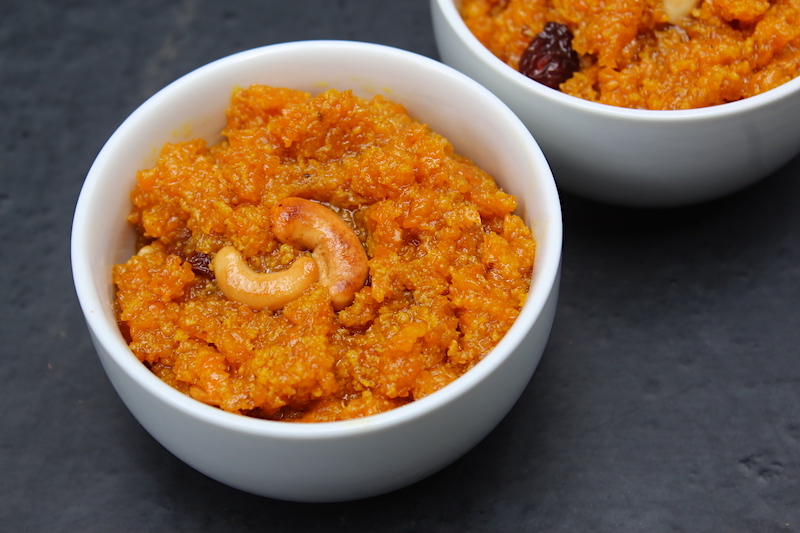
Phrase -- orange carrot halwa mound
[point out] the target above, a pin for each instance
(640, 54)
(449, 264)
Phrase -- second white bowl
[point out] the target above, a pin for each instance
(634, 157)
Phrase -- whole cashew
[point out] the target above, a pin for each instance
(679, 9)
(339, 253)
(259, 290)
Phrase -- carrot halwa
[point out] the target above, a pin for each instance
(449, 264)
(654, 54)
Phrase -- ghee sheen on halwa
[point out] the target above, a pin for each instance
(641, 54)
(449, 263)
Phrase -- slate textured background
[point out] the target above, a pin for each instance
(668, 398)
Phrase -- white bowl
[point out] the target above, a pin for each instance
(634, 157)
(337, 460)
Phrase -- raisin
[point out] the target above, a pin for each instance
(549, 58)
(411, 238)
(201, 264)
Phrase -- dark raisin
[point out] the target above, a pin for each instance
(411, 238)
(201, 264)
(549, 58)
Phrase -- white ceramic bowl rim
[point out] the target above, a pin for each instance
(514, 77)
(90, 298)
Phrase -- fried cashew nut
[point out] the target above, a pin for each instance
(338, 260)
(260, 290)
(335, 247)
(679, 9)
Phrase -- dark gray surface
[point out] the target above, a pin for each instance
(668, 398)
